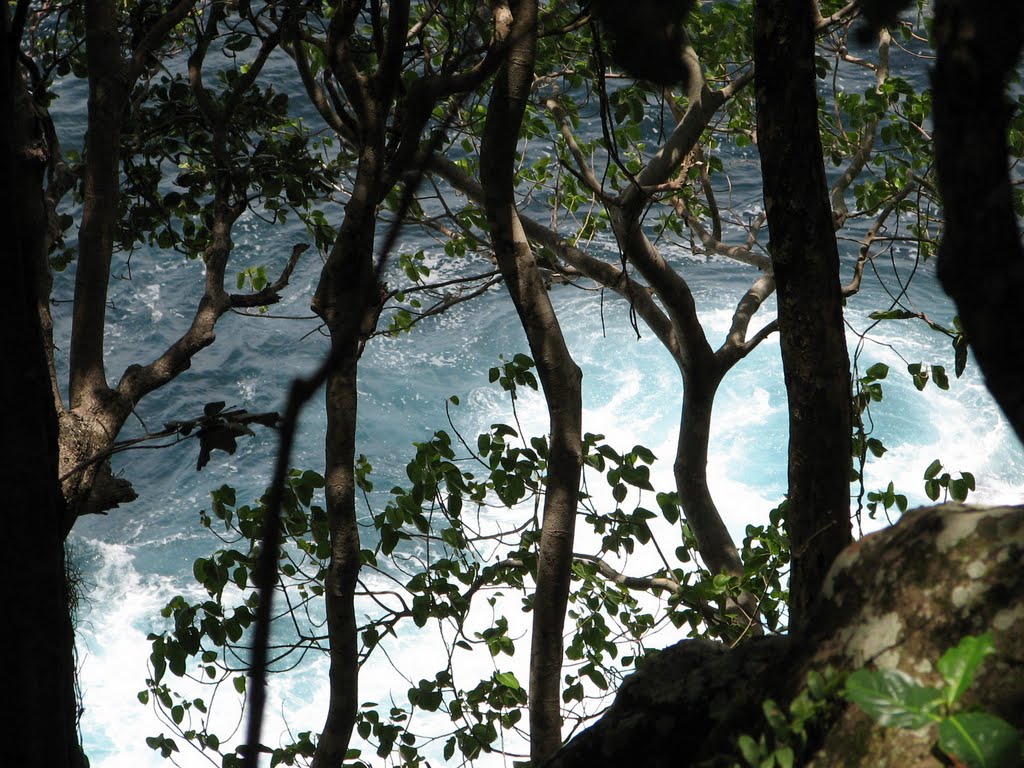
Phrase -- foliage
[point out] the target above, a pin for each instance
(957, 488)
(789, 737)
(894, 699)
(429, 567)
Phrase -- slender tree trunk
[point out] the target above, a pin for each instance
(560, 376)
(347, 298)
(691, 472)
(88, 424)
(981, 261)
(343, 571)
(41, 726)
(714, 542)
(805, 258)
(108, 97)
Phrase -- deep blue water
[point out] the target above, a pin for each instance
(136, 558)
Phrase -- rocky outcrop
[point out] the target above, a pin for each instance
(897, 599)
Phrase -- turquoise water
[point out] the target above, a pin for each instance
(136, 558)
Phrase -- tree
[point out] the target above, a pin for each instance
(981, 253)
(559, 374)
(43, 727)
(239, 153)
(805, 262)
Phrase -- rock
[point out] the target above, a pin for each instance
(897, 599)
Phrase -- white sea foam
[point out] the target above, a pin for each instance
(113, 653)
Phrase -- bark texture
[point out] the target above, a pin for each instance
(981, 260)
(559, 374)
(805, 261)
(897, 599)
(40, 727)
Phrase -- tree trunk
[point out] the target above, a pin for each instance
(343, 571)
(108, 97)
(691, 472)
(347, 298)
(41, 726)
(96, 412)
(690, 469)
(981, 261)
(560, 376)
(805, 259)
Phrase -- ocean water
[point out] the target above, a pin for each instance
(136, 558)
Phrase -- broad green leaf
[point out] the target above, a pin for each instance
(877, 371)
(784, 757)
(749, 749)
(893, 698)
(980, 740)
(960, 353)
(508, 680)
(958, 490)
(958, 665)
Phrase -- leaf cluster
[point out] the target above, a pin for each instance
(894, 699)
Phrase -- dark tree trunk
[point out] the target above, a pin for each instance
(805, 259)
(559, 375)
(41, 723)
(981, 261)
(347, 300)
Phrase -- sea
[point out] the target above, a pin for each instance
(135, 559)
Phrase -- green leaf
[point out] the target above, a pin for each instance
(784, 757)
(980, 740)
(960, 354)
(893, 698)
(645, 455)
(892, 314)
(508, 680)
(877, 371)
(958, 665)
(933, 469)
(749, 749)
(958, 489)
(919, 373)
(238, 42)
